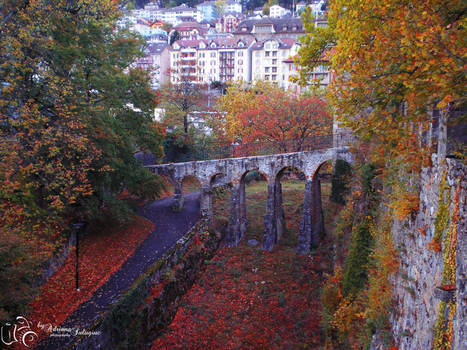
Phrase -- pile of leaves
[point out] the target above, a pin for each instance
(100, 255)
(248, 298)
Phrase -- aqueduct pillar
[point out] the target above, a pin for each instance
(178, 199)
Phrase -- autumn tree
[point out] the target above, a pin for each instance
(269, 114)
(72, 114)
(393, 62)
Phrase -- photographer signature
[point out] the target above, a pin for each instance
(19, 332)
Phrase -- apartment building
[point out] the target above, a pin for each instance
(320, 75)
(207, 11)
(268, 58)
(190, 30)
(172, 15)
(203, 61)
(183, 60)
(229, 22)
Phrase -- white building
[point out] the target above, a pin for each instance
(172, 15)
(204, 61)
(232, 7)
(268, 58)
(207, 11)
(276, 11)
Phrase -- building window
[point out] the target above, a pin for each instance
(273, 77)
(274, 69)
(266, 69)
(274, 54)
(240, 61)
(274, 61)
(267, 54)
(266, 77)
(240, 53)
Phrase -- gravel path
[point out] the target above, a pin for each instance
(169, 227)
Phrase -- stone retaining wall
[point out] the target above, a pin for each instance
(420, 272)
(150, 305)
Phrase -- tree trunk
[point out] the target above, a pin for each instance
(185, 123)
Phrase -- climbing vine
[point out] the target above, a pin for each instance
(442, 215)
(443, 330)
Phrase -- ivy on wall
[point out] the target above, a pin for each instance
(443, 330)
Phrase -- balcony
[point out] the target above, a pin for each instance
(188, 66)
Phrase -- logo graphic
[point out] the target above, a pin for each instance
(19, 332)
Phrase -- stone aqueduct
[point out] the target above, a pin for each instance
(232, 171)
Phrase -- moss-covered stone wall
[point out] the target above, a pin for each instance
(149, 306)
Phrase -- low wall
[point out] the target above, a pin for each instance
(143, 313)
(55, 262)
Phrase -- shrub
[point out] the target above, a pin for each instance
(340, 181)
(355, 271)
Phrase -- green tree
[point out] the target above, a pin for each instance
(174, 37)
(179, 100)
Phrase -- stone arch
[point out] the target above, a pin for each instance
(312, 228)
(238, 218)
(187, 182)
(235, 170)
(250, 170)
(217, 179)
(282, 170)
(191, 183)
(278, 196)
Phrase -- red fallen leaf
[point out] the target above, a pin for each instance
(59, 298)
(448, 287)
(226, 309)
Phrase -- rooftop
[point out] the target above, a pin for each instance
(280, 25)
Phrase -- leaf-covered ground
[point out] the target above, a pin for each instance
(100, 255)
(251, 299)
